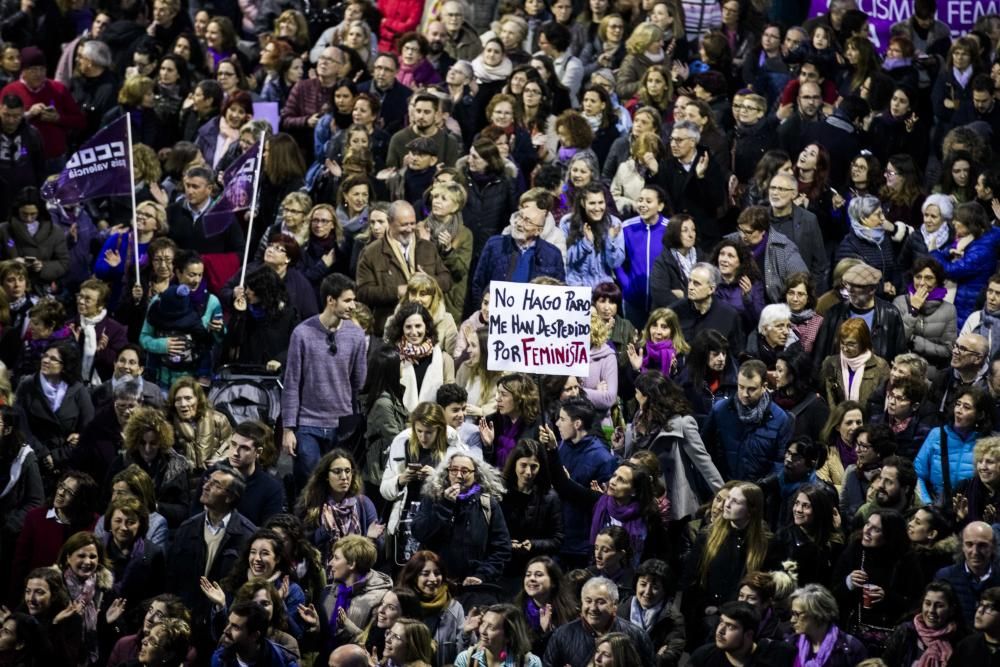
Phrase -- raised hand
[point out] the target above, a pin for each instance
(212, 591)
(115, 610)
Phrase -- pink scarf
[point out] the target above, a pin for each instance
(852, 384)
(938, 651)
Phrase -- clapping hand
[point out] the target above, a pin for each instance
(212, 591)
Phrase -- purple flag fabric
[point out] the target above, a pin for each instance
(100, 168)
(237, 193)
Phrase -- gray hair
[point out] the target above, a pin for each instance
(918, 363)
(944, 204)
(775, 312)
(590, 158)
(862, 207)
(689, 127)
(818, 602)
(487, 477)
(714, 275)
(130, 389)
(465, 66)
(596, 582)
(96, 52)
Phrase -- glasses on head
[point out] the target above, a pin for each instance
(331, 342)
(464, 472)
(341, 472)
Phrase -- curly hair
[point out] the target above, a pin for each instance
(486, 476)
(748, 265)
(239, 574)
(525, 394)
(143, 420)
(580, 134)
(270, 291)
(394, 331)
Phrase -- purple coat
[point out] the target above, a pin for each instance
(748, 307)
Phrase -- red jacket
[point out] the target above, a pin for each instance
(54, 94)
(38, 544)
(398, 16)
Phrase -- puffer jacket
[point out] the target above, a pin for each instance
(643, 244)
(398, 17)
(365, 598)
(747, 451)
(930, 473)
(584, 266)
(781, 259)
(929, 331)
(971, 271)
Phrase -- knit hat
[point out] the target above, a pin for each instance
(712, 82)
(32, 56)
(173, 310)
(422, 145)
(862, 274)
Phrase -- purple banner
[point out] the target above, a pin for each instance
(237, 193)
(959, 15)
(100, 168)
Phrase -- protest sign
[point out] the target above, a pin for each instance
(542, 329)
(238, 189)
(959, 15)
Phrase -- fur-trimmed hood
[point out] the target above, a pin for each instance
(105, 578)
(487, 477)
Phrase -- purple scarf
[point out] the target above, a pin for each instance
(628, 515)
(344, 595)
(506, 441)
(473, 490)
(936, 294)
(758, 250)
(848, 456)
(533, 614)
(659, 356)
(824, 653)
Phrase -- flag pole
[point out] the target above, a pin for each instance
(135, 216)
(253, 207)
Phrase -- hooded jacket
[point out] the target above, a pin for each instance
(930, 472)
(365, 599)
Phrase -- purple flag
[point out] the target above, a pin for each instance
(100, 168)
(237, 193)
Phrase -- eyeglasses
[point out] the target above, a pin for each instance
(341, 472)
(163, 260)
(778, 188)
(746, 107)
(455, 470)
(986, 608)
(746, 233)
(214, 484)
(964, 350)
(797, 614)
(678, 140)
(331, 342)
(321, 221)
(277, 247)
(51, 359)
(393, 636)
(66, 490)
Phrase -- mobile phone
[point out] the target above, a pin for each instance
(414, 466)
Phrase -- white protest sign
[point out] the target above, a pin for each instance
(543, 329)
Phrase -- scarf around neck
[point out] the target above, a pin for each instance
(803, 316)
(935, 240)
(824, 652)
(486, 73)
(628, 515)
(659, 356)
(755, 414)
(962, 76)
(851, 372)
(89, 330)
(938, 649)
(686, 261)
(83, 590)
(54, 393)
(936, 294)
(344, 595)
(436, 604)
(414, 353)
(346, 519)
(876, 235)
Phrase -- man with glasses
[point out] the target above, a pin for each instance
(982, 648)
(977, 571)
(521, 255)
(693, 182)
(324, 373)
(969, 368)
(310, 96)
(808, 109)
(393, 95)
(264, 495)
(800, 226)
(780, 257)
(460, 519)
(884, 321)
(463, 42)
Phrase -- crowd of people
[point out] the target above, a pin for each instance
(783, 453)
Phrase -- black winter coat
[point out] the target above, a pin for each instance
(535, 517)
(667, 276)
(488, 207)
(171, 474)
(698, 197)
(47, 431)
(888, 334)
(459, 532)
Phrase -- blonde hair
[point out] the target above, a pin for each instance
(600, 331)
(420, 284)
(984, 446)
(147, 165)
(642, 38)
(134, 89)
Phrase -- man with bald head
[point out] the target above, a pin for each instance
(969, 367)
(800, 226)
(978, 570)
(349, 655)
(386, 265)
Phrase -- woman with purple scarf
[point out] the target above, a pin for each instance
(819, 641)
(516, 418)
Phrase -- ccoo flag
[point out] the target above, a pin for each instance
(100, 168)
(237, 192)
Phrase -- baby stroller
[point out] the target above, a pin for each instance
(244, 393)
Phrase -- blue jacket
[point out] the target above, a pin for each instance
(971, 271)
(278, 657)
(643, 244)
(584, 266)
(499, 259)
(747, 451)
(585, 461)
(930, 476)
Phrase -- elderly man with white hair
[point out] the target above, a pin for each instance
(575, 642)
(774, 335)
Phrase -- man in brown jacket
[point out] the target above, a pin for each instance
(386, 265)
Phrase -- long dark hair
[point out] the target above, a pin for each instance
(801, 369)
(664, 401)
(710, 340)
(564, 606)
(580, 218)
(822, 528)
(270, 291)
(383, 375)
(525, 448)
